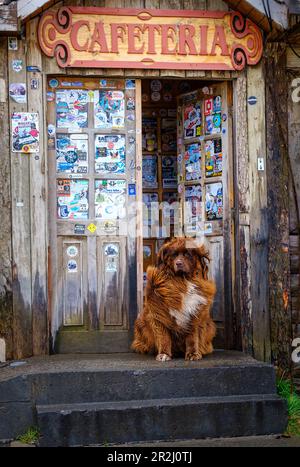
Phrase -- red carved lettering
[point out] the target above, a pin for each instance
(151, 28)
(74, 36)
(168, 32)
(99, 38)
(219, 40)
(135, 31)
(186, 34)
(203, 40)
(117, 32)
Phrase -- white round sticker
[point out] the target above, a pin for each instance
(155, 96)
(72, 251)
(156, 85)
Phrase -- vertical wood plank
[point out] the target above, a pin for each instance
(278, 203)
(259, 230)
(139, 194)
(6, 310)
(38, 203)
(21, 241)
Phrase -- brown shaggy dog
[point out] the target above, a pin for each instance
(176, 317)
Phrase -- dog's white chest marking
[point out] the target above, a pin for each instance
(191, 301)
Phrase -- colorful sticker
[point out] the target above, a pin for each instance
(131, 189)
(34, 83)
(72, 199)
(214, 201)
(109, 109)
(217, 104)
(130, 103)
(17, 65)
(17, 92)
(193, 208)
(192, 161)
(208, 228)
(72, 251)
(72, 266)
(71, 153)
(79, 229)
(213, 158)
(129, 84)
(109, 154)
(192, 120)
(72, 108)
(110, 199)
(53, 83)
(50, 96)
(169, 171)
(208, 106)
(149, 135)
(150, 172)
(92, 227)
(25, 132)
(12, 43)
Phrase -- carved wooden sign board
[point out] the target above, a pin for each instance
(161, 39)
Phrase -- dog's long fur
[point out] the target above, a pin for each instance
(176, 315)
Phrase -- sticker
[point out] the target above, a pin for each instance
(168, 213)
(224, 117)
(192, 120)
(131, 117)
(129, 84)
(208, 125)
(53, 83)
(155, 96)
(92, 227)
(17, 65)
(214, 201)
(208, 228)
(109, 109)
(12, 43)
(192, 162)
(110, 199)
(72, 153)
(205, 90)
(213, 158)
(217, 121)
(109, 227)
(72, 199)
(169, 171)
(150, 171)
(130, 104)
(155, 85)
(131, 140)
(131, 189)
(33, 69)
(72, 266)
(224, 131)
(145, 98)
(71, 84)
(17, 92)
(50, 96)
(180, 188)
(208, 106)
(110, 154)
(79, 229)
(72, 109)
(193, 208)
(217, 104)
(25, 132)
(34, 83)
(111, 249)
(19, 204)
(51, 130)
(252, 100)
(51, 142)
(147, 251)
(72, 251)
(36, 158)
(149, 135)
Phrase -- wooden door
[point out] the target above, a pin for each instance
(91, 160)
(205, 188)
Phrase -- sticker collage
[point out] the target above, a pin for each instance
(89, 140)
(200, 123)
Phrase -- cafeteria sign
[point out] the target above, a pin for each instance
(166, 39)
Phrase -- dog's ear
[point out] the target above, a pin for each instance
(204, 259)
(162, 254)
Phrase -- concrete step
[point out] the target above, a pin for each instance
(160, 419)
(154, 383)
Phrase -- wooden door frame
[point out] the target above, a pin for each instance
(231, 294)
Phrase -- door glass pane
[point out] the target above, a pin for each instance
(110, 199)
(110, 154)
(71, 108)
(109, 109)
(72, 199)
(72, 153)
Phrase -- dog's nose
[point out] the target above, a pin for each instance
(179, 263)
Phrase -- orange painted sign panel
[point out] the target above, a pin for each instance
(131, 38)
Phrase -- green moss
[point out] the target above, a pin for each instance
(31, 436)
(285, 390)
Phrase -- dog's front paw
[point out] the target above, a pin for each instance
(163, 357)
(193, 356)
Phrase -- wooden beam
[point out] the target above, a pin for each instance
(278, 202)
(9, 18)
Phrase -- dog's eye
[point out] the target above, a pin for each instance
(187, 254)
